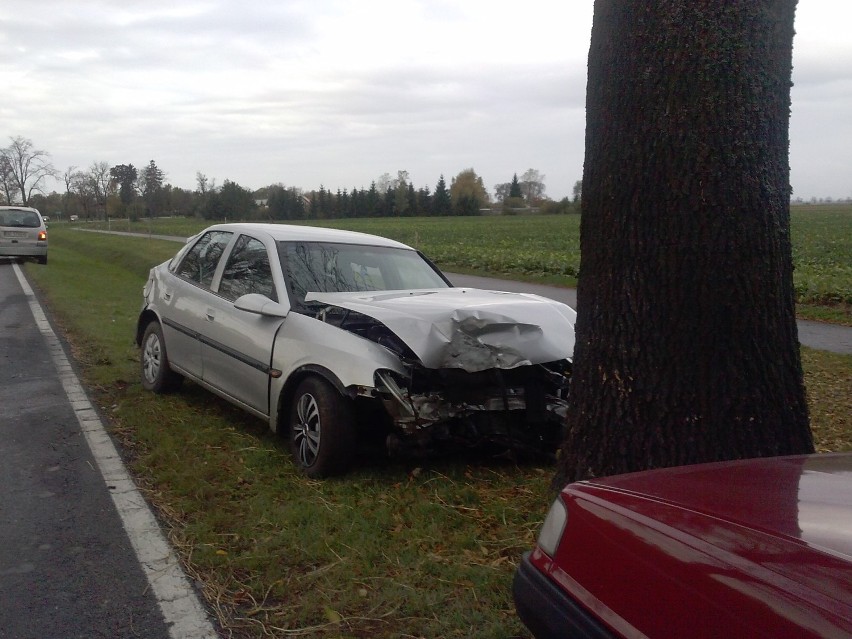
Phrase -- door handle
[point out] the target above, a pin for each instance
(211, 315)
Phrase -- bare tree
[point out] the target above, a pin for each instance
(102, 183)
(577, 191)
(7, 179)
(69, 195)
(29, 166)
(68, 178)
(83, 188)
(687, 346)
(203, 183)
(532, 186)
(385, 183)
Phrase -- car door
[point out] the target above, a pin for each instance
(237, 349)
(184, 300)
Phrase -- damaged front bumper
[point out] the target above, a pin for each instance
(521, 408)
(475, 366)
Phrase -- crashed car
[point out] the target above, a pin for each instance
(332, 336)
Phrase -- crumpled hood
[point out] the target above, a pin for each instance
(468, 328)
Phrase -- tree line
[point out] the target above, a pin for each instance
(124, 190)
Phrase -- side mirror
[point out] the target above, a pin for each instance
(260, 305)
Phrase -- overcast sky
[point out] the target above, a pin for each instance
(337, 92)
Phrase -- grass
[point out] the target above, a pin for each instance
(546, 249)
(828, 381)
(822, 255)
(395, 549)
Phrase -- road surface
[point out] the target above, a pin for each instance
(70, 565)
(819, 335)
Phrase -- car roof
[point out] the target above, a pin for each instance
(294, 232)
(14, 207)
(802, 497)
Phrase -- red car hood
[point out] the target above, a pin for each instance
(775, 530)
(806, 499)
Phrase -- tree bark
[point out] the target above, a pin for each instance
(687, 348)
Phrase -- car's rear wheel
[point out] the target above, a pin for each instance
(157, 375)
(322, 433)
(42, 259)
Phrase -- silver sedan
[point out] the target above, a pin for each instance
(332, 336)
(23, 233)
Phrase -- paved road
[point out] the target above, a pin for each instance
(69, 564)
(820, 335)
(827, 337)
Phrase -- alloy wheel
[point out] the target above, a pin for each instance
(151, 358)
(307, 429)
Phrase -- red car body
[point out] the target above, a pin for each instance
(752, 548)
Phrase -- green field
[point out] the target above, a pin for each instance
(395, 549)
(822, 257)
(547, 248)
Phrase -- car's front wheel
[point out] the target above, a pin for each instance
(157, 375)
(322, 434)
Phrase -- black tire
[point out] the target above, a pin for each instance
(322, 429)
(157, 375)
(42, 259)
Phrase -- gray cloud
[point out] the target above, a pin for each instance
(323, 91)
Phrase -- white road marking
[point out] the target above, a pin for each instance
(182, 611)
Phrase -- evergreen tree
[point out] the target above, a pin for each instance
(413, 208)
(235, 202)
(373, 201)
(424, 201)
(515, 188)
(441, 202)
(151, 184)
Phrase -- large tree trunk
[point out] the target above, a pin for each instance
(687, 348)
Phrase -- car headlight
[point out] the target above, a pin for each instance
(553, 527)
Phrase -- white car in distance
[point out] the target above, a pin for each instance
(23, 233)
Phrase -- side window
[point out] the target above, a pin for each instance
(247, 271)
(199, 263)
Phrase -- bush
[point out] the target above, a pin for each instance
(562, 207)
(514, 205)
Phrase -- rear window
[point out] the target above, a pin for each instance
(19, 218)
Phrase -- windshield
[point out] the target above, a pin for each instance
(342, 268)
(21, 218)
